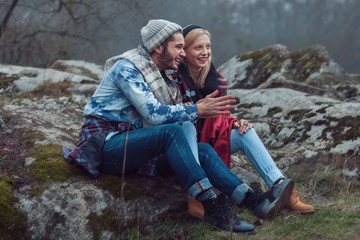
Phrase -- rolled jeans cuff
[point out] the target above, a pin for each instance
(273, 177)
(200, 187)
(238, 194)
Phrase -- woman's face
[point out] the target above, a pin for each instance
(198, 52)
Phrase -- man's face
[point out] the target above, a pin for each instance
(171, 56)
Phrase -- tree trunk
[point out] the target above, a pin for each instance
(7, 17)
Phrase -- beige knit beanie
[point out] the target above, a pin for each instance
(156, 32)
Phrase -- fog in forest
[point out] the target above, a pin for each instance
(38, 32)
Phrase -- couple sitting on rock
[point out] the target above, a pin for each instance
(165, 105)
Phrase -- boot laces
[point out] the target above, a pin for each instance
(257, 197)
(221, 208)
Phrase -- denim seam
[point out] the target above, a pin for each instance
(239, 193)
(199, 187)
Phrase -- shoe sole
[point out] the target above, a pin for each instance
(198, 216)
(281, 202)
(206, 221)
(222, 230)
(305, 212)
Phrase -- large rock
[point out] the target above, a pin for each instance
(308, 70)
(70, 210)
(303, 105)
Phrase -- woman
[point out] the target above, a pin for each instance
(196, 78)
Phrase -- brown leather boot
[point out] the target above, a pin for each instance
(296, 204)
(195, 208)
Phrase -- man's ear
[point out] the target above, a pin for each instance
(159, 49)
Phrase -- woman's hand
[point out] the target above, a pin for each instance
(242, 125)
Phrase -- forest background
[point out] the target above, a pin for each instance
(38, 32)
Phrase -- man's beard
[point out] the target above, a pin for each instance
(166, 60)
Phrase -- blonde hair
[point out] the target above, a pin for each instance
(189, 39)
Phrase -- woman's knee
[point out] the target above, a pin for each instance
(188, 125)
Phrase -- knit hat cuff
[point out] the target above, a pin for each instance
(155, 34)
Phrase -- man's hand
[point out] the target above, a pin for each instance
(212, 106)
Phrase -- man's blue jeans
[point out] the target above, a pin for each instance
(256, 152)
(169, 139)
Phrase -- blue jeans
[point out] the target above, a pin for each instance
(191, 136)
(169, 139)
(256, 152)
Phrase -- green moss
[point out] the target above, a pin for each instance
(12, 220)
(107, 221)
(256, 55)
(29, 138)
(6, 80)
(307, 61)
(51, 170)
(287, 75)
(9, 95)
(51, 151)
(311, 65)
(265, 62)
(272, 111)
(58, 89)
(344, 129)
(50, 165)
(272, 66)
(297, 114)
(114, 185)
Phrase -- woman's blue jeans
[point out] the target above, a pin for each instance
(251, 145)
(146, 143)
(256, 152)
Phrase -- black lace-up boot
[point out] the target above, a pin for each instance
(267, 204)
(219, 214)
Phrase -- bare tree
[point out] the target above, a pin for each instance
(7, 16)
(41, 31)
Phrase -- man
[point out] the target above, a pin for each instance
(134, 90)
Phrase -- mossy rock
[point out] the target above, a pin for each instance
(58, 89)
(297, 114)
(29, 138)
(307, 61)
(116, 187)
(107, 221)
(6, 80)
(273, 110)
(50, 165)
(12, 220)
(343, 129)
(265, 62)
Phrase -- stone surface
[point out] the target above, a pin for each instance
(304, 107)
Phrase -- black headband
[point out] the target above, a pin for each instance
(190, 27)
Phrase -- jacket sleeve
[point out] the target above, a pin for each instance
(132, 84)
